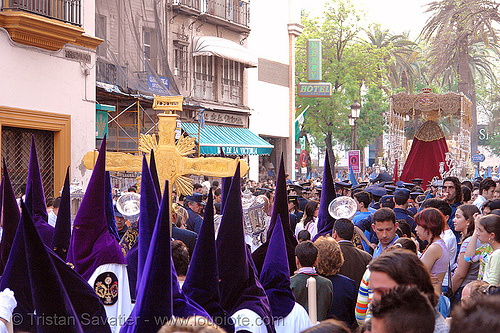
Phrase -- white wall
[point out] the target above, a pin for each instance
(40, 80)
(270, 41)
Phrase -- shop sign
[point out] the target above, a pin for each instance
(314, 60)
(227, 119)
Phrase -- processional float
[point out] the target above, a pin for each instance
(432, 155)
(172, 157)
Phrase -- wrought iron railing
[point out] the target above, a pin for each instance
(232, 92)
(196, 4)
(236, 11)
(107, 72)
(68, 11)
(204, 87)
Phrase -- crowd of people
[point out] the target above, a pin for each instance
(411, 257)
(451, 234)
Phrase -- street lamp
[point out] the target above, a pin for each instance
(355, 108)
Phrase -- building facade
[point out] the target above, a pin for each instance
(47, 88)
(272, 85)
(193, 48)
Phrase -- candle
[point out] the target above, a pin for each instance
(311, 300)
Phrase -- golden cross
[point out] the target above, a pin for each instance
(171, 161)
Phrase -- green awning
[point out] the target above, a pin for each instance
(232, 140)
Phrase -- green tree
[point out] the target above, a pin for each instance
(456, 26)
(347, 65)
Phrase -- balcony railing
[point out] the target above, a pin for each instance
(68, 11)
(235, 11)
(205, 89)
(232, 92)
(195, 4)
(109, 73)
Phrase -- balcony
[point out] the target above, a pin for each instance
(232, 92)
(107, 72)
(47, 24)
(67, 11)
(233, 14)
(204, 88)
(235, 11)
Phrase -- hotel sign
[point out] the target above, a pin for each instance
(320, 89)
(314, 60)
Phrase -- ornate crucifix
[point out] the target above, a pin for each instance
(171, 159)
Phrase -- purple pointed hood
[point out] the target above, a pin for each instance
(110, 209)
(62, 234)
(35, 198)
(154, 175)
(147, 217)
(10, 217)
(238, 284)
(91, 243)
(159, 295)
(280, 209)
(50, 298)
(325, 221)
(82, 296)
(275, 276)
(202, 278)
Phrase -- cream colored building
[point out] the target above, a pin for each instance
(47, 87)
(194, 48)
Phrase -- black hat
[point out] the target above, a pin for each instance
(390, 189)
(409, 186)
(417, 181)
(293, 197)
(414, 195)
(377, 191)
(343, 185)
(195, 197)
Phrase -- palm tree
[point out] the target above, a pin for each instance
(400, 66)
(400, 63)
(455, 28)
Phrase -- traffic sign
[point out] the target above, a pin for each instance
(303, 158)
(477, 158)
(354, 160)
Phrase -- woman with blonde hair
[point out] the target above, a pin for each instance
(330, 259)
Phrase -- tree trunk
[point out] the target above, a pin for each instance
(379, 146)
(464, 86)
(331, 155)
(473, 141)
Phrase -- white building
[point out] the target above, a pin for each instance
(47, 87)
(271, 87)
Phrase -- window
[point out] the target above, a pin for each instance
(149, 49)
(232, 81)
(204, 77)
(180, 63)
(100, 32)
(203, 68)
